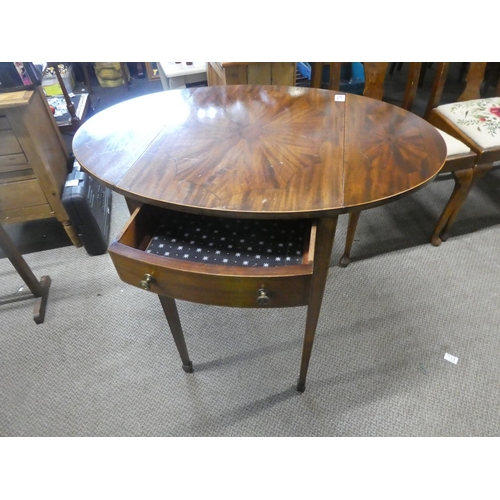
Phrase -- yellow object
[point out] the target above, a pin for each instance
(51, 85)
(109, 74)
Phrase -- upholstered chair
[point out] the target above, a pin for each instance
(473, 120)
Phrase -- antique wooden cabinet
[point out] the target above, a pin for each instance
(258, 73)
(33, 161)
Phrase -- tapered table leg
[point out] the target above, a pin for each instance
(345, 260)
(325, 236)
(174, 322)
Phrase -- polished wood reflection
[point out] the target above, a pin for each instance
(259, 150)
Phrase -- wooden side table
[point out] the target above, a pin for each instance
(195, 158)
(33, 161)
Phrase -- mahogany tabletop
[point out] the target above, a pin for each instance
(259, 151)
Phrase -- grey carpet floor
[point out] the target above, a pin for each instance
(104, 364)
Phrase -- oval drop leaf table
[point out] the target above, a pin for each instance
(267, 167)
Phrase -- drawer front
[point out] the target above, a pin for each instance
(4, 123)
(212, 284)
(11, 152)
(7, 162)
(18, 195)
(9, 145)
(234, 290)
(16, 174)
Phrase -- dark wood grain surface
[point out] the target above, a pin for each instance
(259, 151)
(252, 151)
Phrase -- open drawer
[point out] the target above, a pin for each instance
(217, 261)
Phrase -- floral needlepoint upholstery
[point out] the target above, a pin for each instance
(453, 146)
(478, 118)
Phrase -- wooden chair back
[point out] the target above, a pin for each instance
(375, 73)
(474, 79)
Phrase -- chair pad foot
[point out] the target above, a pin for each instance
(188, 368)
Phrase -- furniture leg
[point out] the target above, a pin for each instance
(316, 74)
(325, 236)
(75, 121)
(463, 182)
(422, 73)
(39, 289)
(87, 76)
(132, 205)
(172, 315)
(41, 302)
(345, 260)
(478, 172)
(124, 75)
(72, 233)
(140, 70)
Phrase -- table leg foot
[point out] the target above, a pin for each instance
(344, 261)
(188, 368)
(41, 302)
(170, 310)
(301, 386)
(72, 233)
(436, 240)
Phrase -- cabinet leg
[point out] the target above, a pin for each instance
(41, 302)
(40, 289)
(71, 232)
(172, 315)
(324, 243)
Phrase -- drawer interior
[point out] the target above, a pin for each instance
(218, 261)
(230, 242)
(220, 241)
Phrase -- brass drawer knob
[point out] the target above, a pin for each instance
(146, 281)
(263, 299)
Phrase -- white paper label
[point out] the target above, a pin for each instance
(72, 183)
(450, 358)
(340, 97)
